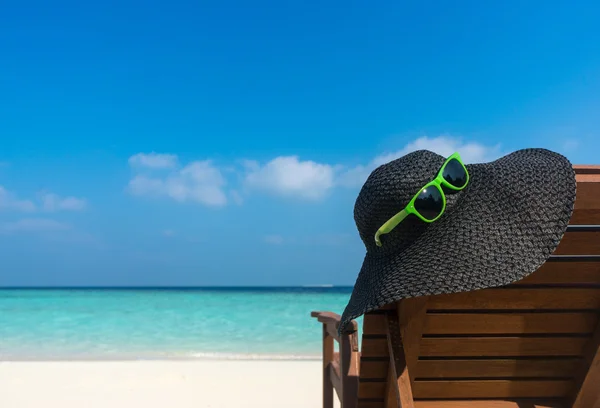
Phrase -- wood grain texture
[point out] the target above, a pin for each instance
(579, 243)
(502, 346)
(510, 323)
(373, 369)
(572, 272)
(587, 203)
(398, 389)
(369, 390)
(486, 346)
(549, 299)
(492, 389)
(411, 316)
(374, 324)
(370, 404)
(490, 404)
(586, 390)
(495, 368)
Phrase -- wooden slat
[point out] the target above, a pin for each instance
(579, 243)
(586, 168)
(586, 392)
(370, 404)
(335, 377)
(493, 368)
(374, 348)
(374, 324)
(492, 389)
(510, 323)
(374, 369)
(368, 390)
(502, 346)
(329, 356)
(587, 203)
(486, 346)
(543, 403)
(551, 298)
(398, 388)
(572, 272)
(411, 314)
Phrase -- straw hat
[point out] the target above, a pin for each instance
(500, 228)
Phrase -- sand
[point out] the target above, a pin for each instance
(153, 384)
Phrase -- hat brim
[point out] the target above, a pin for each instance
(500, 229)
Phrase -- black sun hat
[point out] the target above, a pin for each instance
(501, 227)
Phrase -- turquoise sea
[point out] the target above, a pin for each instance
(42, 324)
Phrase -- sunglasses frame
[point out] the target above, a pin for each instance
(438, 183)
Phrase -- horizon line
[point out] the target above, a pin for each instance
(181, 287)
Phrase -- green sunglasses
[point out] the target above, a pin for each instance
(430, 202)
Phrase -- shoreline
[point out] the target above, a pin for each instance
(165, 357)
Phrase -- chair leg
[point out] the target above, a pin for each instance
(328, 353)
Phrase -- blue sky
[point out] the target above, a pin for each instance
(224, 143)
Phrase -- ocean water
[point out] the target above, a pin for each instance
(261, 323)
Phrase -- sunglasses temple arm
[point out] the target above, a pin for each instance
(390, 225)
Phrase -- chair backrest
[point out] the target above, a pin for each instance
(537, 338)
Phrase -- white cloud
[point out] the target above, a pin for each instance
(169, 233)
(202, 182)
(288, 176)
(9, 201)
(274, 239)
(153, 160)
(33, 225)
(199, 182)
(53, 202)
(470, 152)
(48, 202)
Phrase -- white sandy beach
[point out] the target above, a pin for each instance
(153, 384)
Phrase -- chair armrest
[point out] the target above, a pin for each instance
(326, 317)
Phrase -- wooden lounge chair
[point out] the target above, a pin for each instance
(532, 344)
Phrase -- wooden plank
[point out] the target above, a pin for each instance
(370, 404)
(494, 368)
(587, 203)
(374, 324)
(510, 323)
(572, 272)
(374, 369)
(490, 404)
(398, 388)
(328, 358)
(367, 390)
(585, 217)
(502, 346)
(485, 346)
(336, 379)
(549, 299)
(586, 168)
(586, 392)
(411, 315)
(492, 389)
(579, 243)
(374, 347)
(349, 366)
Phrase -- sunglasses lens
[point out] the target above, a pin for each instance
(455, 174)
(429, 203)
